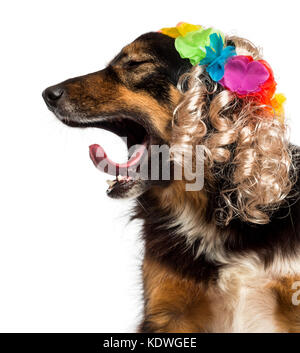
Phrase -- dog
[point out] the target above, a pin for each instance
(216, 259)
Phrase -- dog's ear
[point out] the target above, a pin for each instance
(162, 49)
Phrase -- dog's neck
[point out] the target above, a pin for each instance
(176, 231)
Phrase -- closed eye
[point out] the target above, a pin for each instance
(135, 63)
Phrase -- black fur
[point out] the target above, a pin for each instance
(163, 49)
(169, 66)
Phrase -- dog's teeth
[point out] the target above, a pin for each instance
(110, 182)
(120, 178)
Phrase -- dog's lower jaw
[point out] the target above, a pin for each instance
(133, 191)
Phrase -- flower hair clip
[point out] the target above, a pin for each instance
(239, 74)
(216, 57)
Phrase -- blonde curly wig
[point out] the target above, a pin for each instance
(246, 144)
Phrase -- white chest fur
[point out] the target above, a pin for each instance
(243, 299)
(244, 309)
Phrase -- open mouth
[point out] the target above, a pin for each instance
(133, 127)
(126, 174)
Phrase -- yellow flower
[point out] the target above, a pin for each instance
(180, 30)
(278, 105)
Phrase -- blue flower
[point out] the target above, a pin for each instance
(216, 57)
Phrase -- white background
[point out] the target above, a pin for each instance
(68, 260)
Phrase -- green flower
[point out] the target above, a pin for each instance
(192, 45)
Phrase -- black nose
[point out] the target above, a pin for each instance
(52, 95)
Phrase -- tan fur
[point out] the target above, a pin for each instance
(160, 116)
(174, 304)
(287, 314)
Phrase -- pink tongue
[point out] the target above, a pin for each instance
(103, 163)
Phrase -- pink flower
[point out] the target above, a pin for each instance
(244, 76)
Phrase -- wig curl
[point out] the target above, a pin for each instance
(245, 143)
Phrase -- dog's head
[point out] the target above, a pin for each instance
(133, 97)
